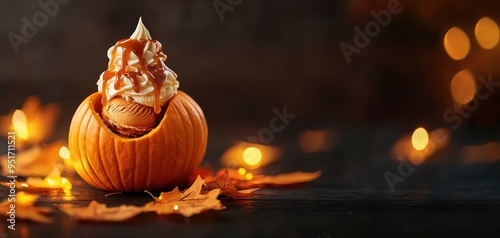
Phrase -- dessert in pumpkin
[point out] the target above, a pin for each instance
(138, 132)
(136, 85)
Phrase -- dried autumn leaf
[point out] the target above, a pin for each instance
(51, 181)
(279, 180)
(35, 161)
(100, 212)
(223, 182)
(25, 209)
(186, 203)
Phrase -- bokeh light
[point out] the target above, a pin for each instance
(249, 176)
(252, 156)
(420, 138)
(242, 171)
(463, 87)
(249, 155)
(20, 124)
(487, 33)
(456, 43)
(64, 152)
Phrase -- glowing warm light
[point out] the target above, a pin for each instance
(67, 195)
(406, 149)
(420, 139)
(66, 183)
(242, 171)
(249, 156)
(249, 176)
(456, 43)
(24, 185)
(20, 124)
(36, 161)
(487, 33)
(463, 87)
(50, 181)
(176, 207)
(64, 152)
(25, 198)
(252, 156)
(35, 126)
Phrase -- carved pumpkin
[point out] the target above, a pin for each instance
(163, 158)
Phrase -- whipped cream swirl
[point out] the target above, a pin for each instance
(137, 72)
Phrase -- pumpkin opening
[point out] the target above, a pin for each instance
(126, 129)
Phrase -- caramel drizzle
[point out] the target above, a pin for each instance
(155, 74)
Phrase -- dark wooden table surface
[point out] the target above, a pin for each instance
(468, 206)
(442, 197)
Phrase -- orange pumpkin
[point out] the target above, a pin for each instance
(163, 158)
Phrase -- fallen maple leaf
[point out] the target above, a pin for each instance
(24, 208)
(241, 181)
(52, 181)
(100, 212)
(278, 180)
(223, 182)
(186, 203)
(287, 178)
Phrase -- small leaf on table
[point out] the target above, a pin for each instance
(224, 183)
(25, 209)
(100, 212)
(191, 201)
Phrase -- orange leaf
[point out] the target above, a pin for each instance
(36, 161)
(51, 181)
(25, 209)
(100, 212)
(186, 203)
(279, 180)
(223, 182)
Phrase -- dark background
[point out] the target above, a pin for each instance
(265, 55)
(272, 54)
(262, 55)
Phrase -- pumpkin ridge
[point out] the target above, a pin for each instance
(134, 176)
(193, 127)
(198, 138)
(97, 163)
(163, 158)
(77, 155)
(150, 158)
(88, 163)
(186, 143)
(101, 162)
(188, 152)
(115, 156)
(171, 136)
(91, 165)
